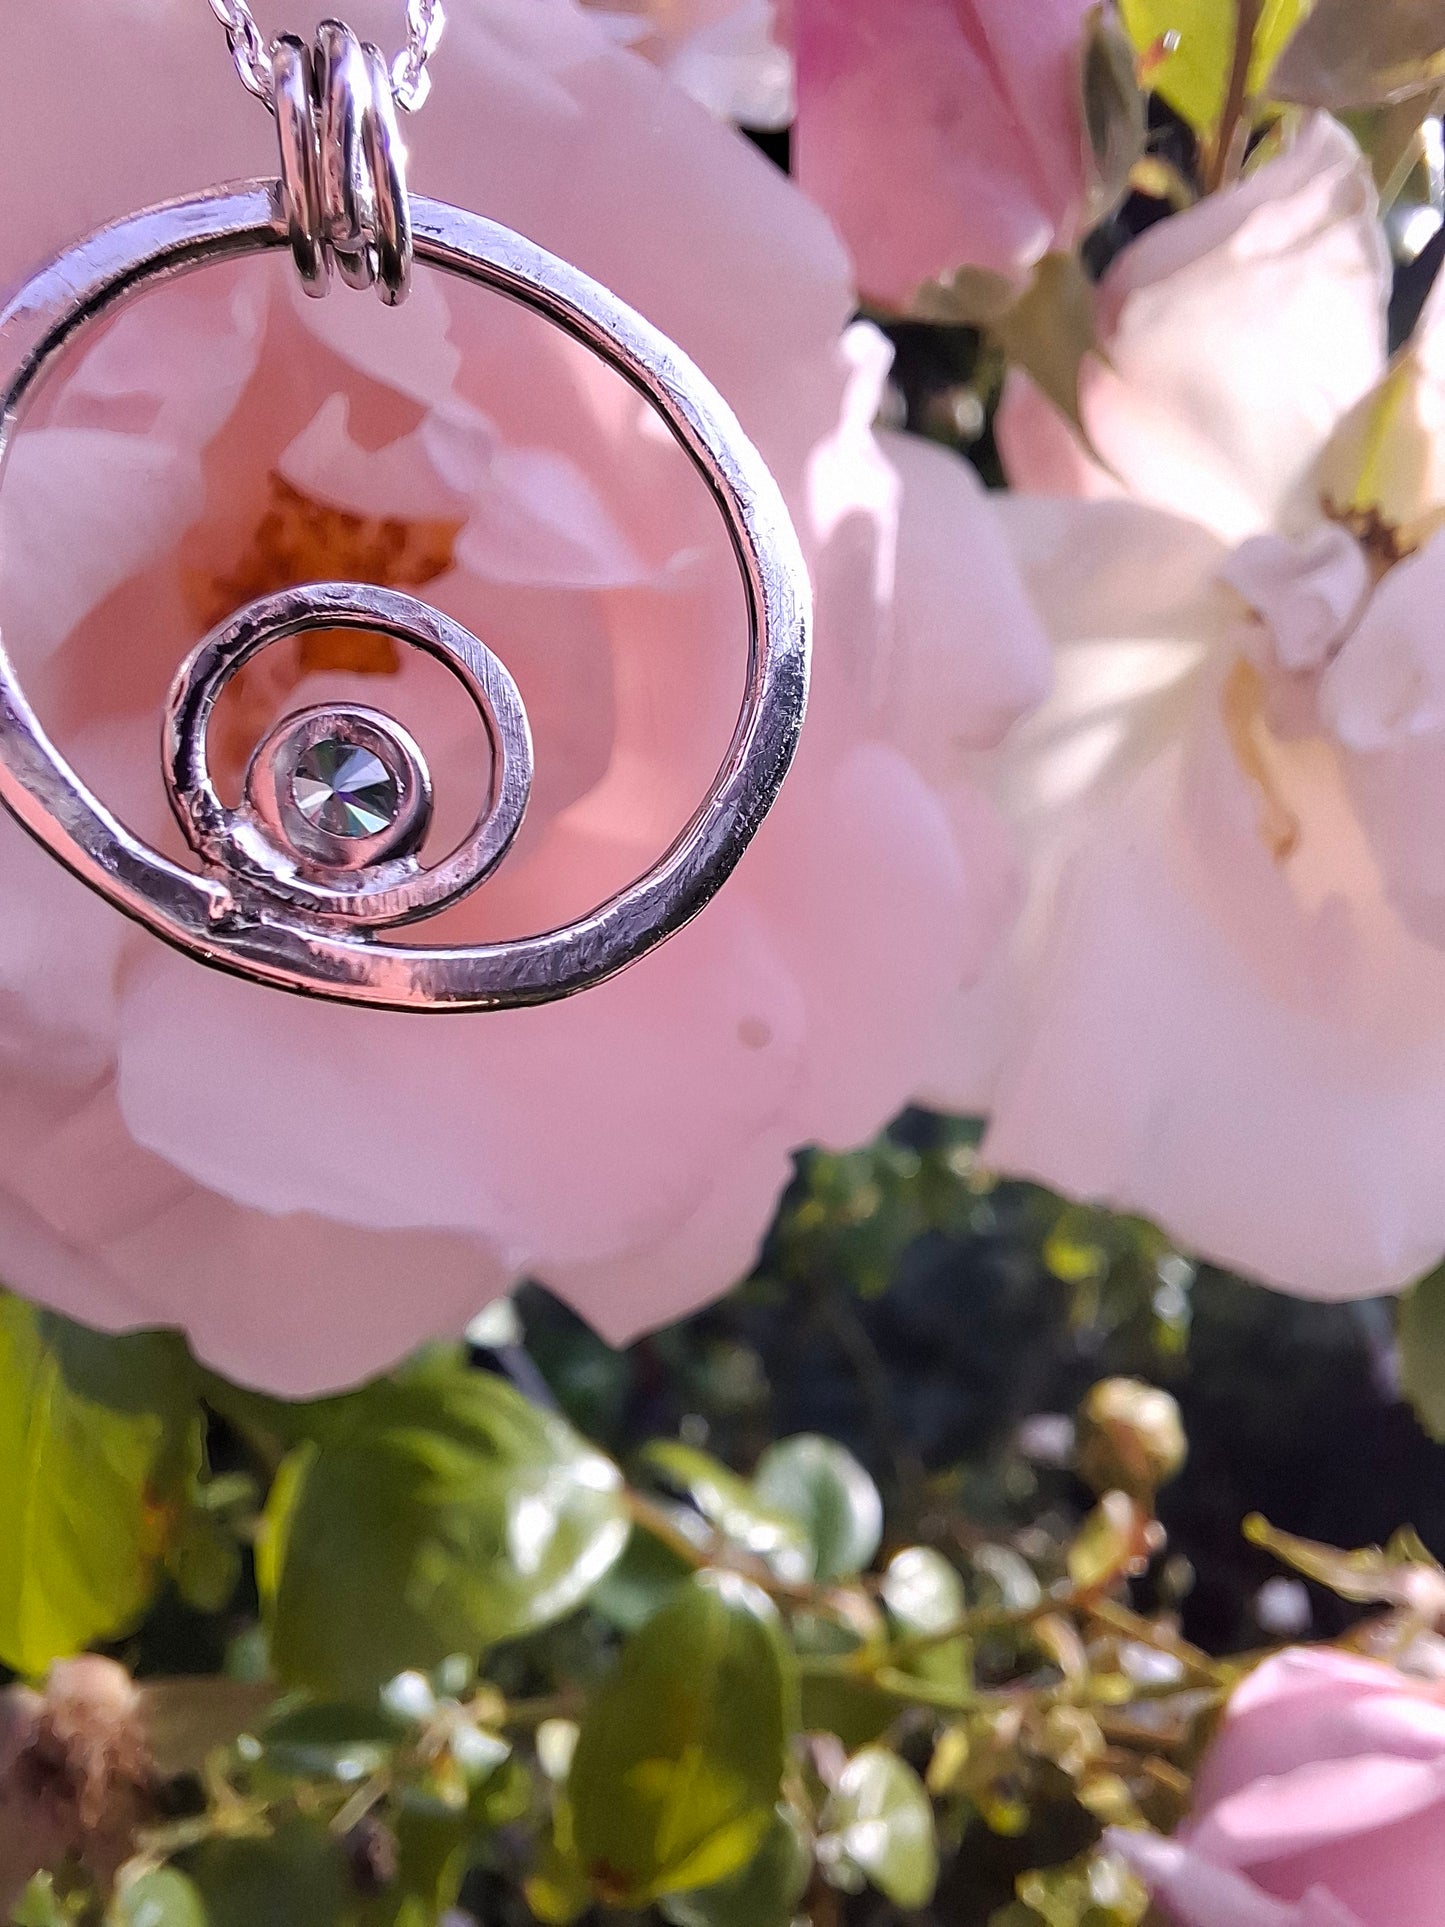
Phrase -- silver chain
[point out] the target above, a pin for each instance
(410, 82)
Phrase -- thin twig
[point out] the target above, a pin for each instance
(1227, 150)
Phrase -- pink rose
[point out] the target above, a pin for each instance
(1320, 1804)
(312, 1191)
(940, 134)
(1225, 1005)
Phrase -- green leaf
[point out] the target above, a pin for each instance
(733, 1507)
(1051, 330)
(643, 1580)
(842, 1702)
(853, 1710)
(1422, 1352)
(1112, 1543)
(879, 1821)
(1186, 49)
(924, 1595)
(1116, 115)
(821, 1485)
(767, 1893)
(332, 1742)
(298, 1877)
(682, 1750)
(41, 1906)
(205, 1563)
(556, 1890)
(431, 1859)
(1347, 55)
(434, 1513)
(161, 1898)
(99, 1440)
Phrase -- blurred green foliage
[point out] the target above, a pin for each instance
(823, 1606)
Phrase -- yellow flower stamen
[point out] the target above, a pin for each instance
(1244, 722)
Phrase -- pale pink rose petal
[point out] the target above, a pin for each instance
(1384, 699)
(529, 516)
(944, 134)
(794, 290)
(1247, 998)
(1197, 1893)
(1305, 1705)
(328, 464)
(325, 1303)
(1308, 594)
(1323, 1791)
(728, 54)
(1392, 1877)
(948, 688)
(1299, 602)
(59, 952)
(83, 509)
(573, 1131)
(712, 1248)
(174, 366)
(556, 644)
(205, 134)
(1289, 1815)
(65, 1265)
(1237, 336)
(1388, 685)
(873, 823)
(1182, 991)
(1131, 635)
(535, 518)
(1040, 450)
(409, 351)
(110, 475)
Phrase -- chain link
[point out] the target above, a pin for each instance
(426, 22)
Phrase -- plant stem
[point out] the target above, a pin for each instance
(1226, 153)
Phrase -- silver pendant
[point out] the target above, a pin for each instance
(302, 885)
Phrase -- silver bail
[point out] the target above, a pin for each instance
(343, 164)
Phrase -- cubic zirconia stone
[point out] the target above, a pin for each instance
(344, 789)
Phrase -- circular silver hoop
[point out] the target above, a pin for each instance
(252, 842)
(225, 922)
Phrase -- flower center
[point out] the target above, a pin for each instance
(297, 540)
(1248, 731)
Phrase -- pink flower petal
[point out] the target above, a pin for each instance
(1384, 699)
(968, 648)
(1198, 1894)
(718, 1243)
(1237, 336)
(1288, 1815)
(83, 509)
(573, 1131)
(941, 135)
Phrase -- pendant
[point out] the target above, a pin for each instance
(304, 884)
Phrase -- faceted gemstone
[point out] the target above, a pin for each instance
(345, 789)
